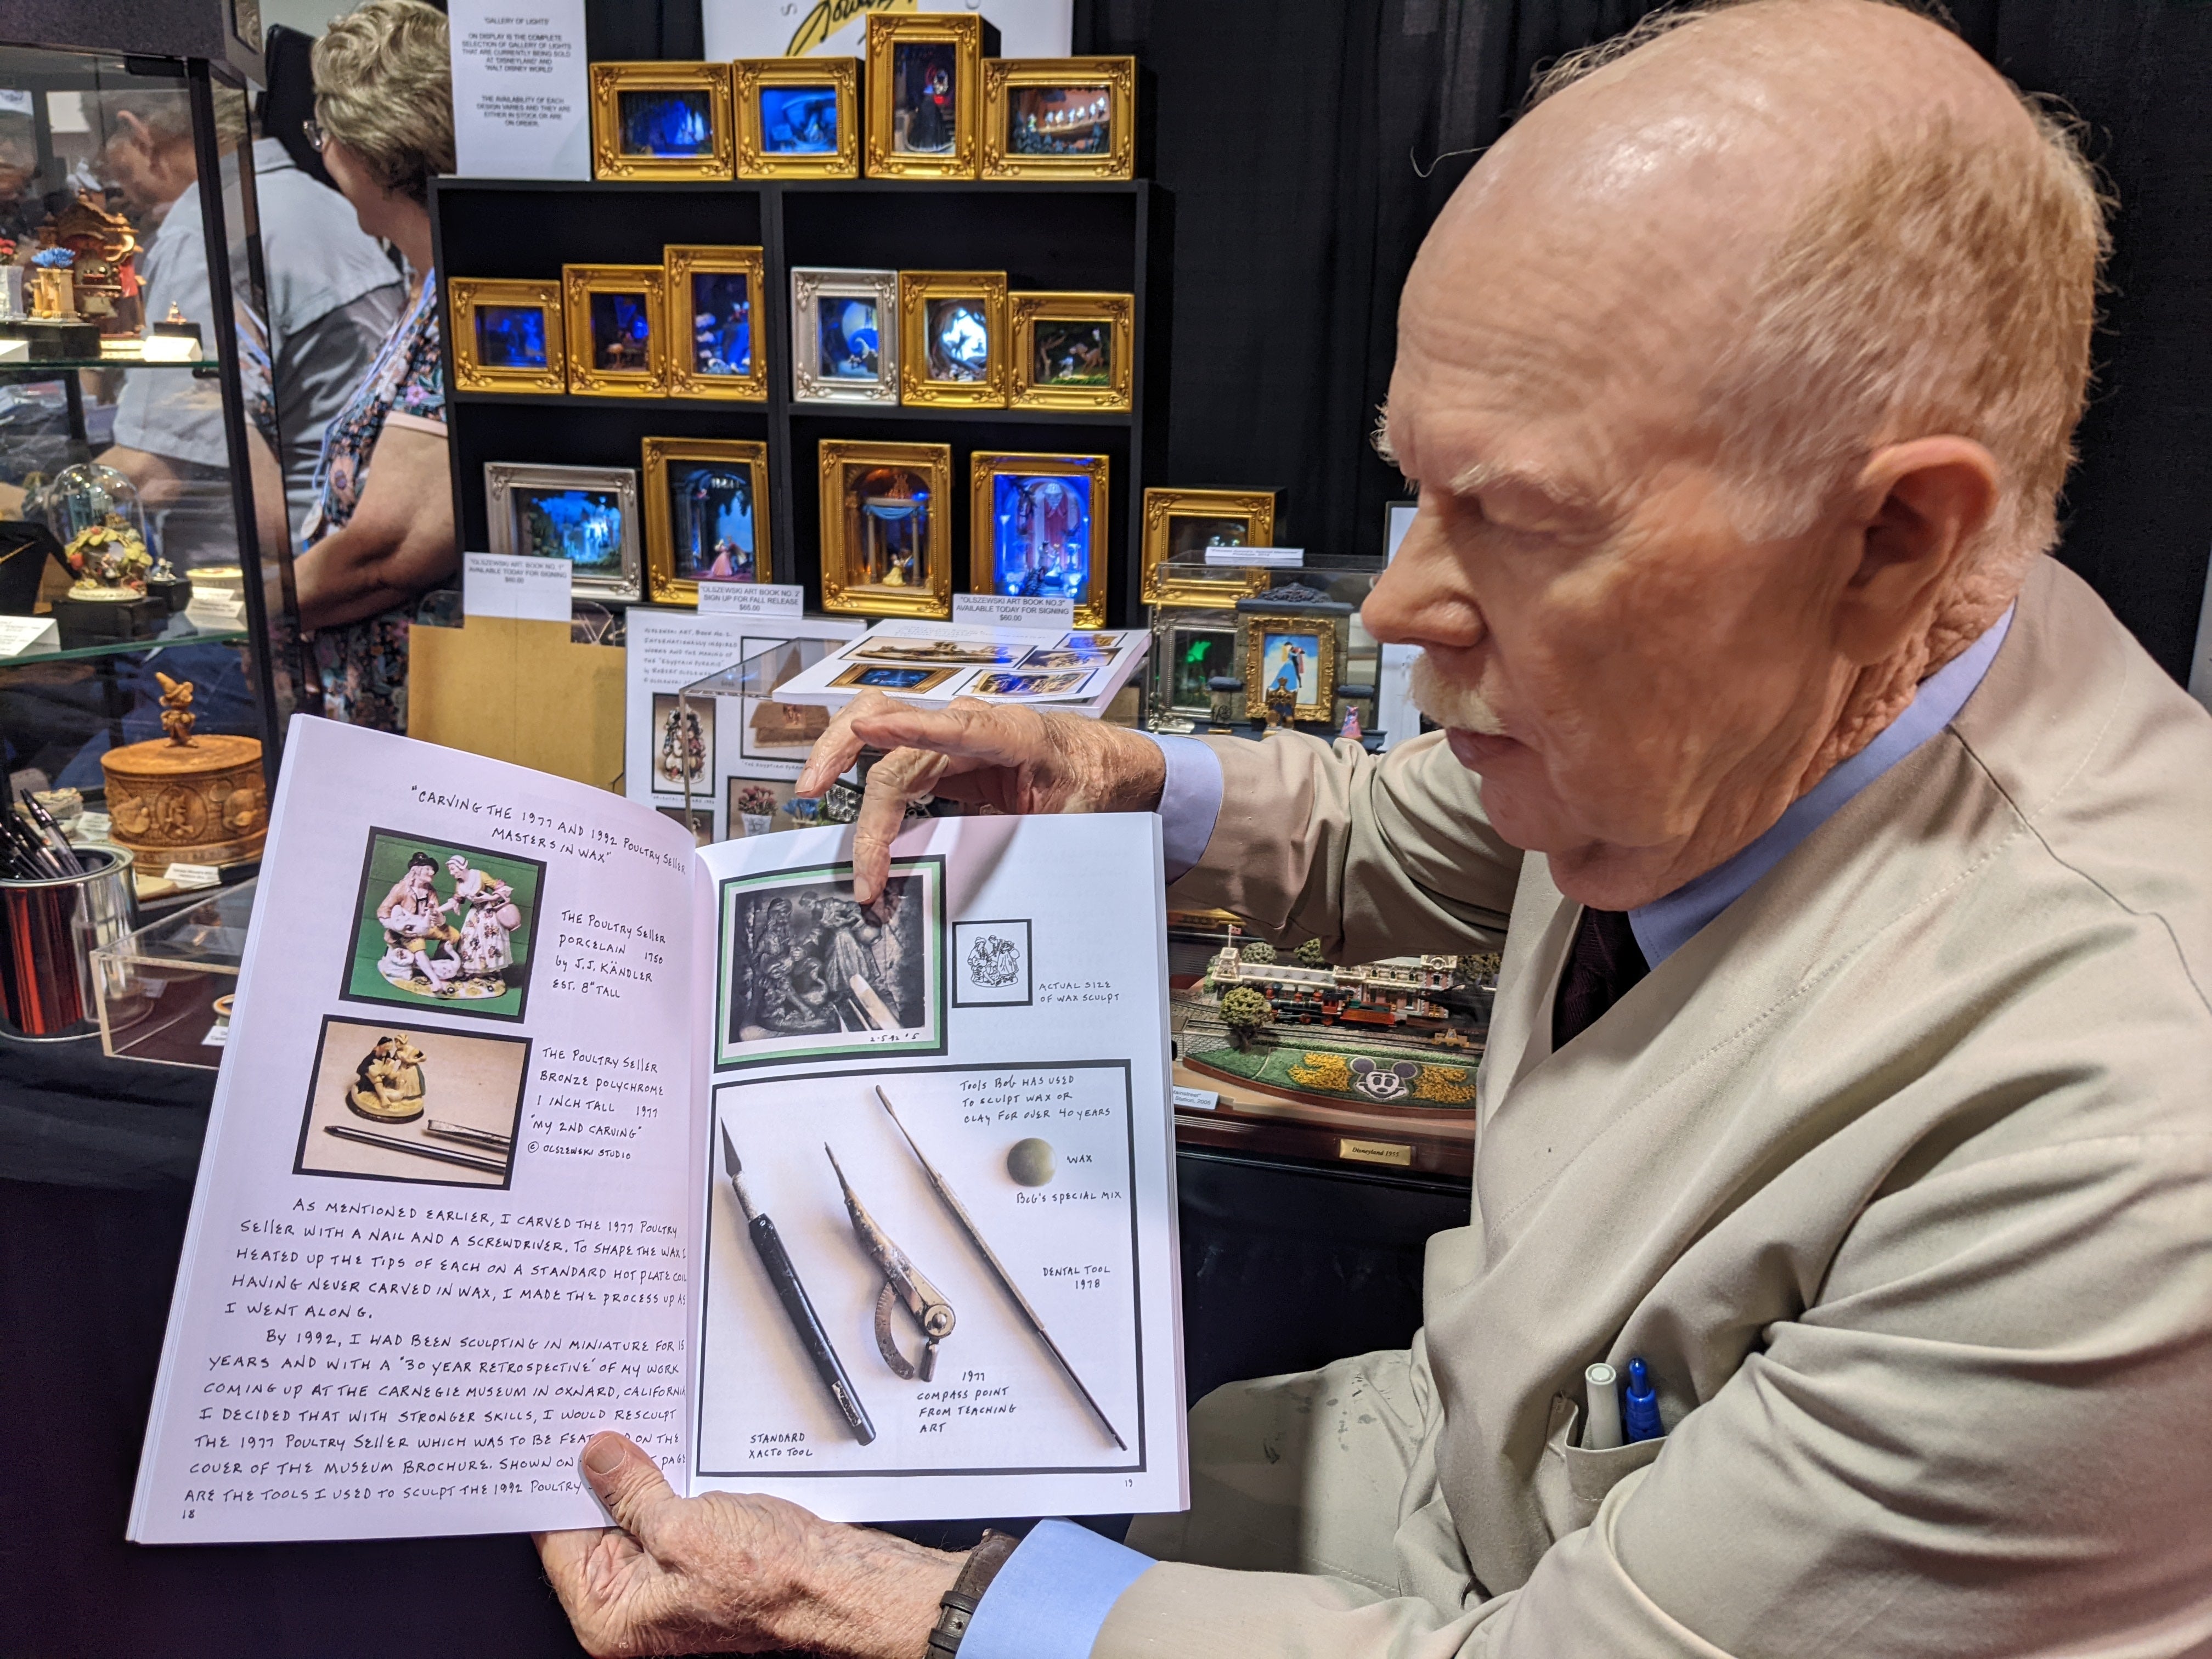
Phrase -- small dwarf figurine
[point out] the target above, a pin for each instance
(176, 708)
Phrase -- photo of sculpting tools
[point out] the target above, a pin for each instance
(805, 1322)
(997, 1268)
(902, 1282)
(393, 1143)
(491, 1140)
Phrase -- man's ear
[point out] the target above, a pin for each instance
(1928, 500)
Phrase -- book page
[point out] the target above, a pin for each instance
(944, 1282)
(444, 1222)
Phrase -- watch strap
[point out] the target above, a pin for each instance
(956, 1607)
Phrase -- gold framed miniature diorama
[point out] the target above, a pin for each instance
(798, 117)
(615, 321)
(507, 336)
(1181, 524)
(1037, 528)
(1071, 350)
(886, 528)
(924, 94)
(713, 306)
(952, 338)
(1290, 666)
(584, 514)
(1060, 118)
(844, 336)
(706, 515)
(661, 120)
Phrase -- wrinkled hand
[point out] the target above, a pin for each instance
(728, 1574)
(1003, 756)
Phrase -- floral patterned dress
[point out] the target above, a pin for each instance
(363, 665)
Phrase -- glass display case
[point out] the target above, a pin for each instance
(164, 992)
(132, 365)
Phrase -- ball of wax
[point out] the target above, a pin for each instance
(1030, 1162)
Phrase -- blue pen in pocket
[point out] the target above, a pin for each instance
(1640, 1414)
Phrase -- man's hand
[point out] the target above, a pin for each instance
(725, 1574)
(1004, 756)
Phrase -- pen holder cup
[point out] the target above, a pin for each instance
(48, 932)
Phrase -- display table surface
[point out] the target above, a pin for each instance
(1284, 1267)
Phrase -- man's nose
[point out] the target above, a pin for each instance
(1424, 598)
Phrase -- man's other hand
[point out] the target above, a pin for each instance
(726, 1574)
(1000, 755)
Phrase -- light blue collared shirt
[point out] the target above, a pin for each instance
(1051, 1598)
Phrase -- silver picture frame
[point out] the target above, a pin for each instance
(505, 480)
(810, 286)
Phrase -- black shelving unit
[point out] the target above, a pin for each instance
(1110, 237)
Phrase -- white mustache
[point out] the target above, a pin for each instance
(1449, 704)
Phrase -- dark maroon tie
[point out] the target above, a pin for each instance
(1604, 962)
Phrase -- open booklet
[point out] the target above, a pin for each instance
(535, 1120)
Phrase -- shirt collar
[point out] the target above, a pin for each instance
(1666, 925)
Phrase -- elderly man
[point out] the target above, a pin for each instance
(1851, 1050)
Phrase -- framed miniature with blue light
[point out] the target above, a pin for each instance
(952, 338)
(886, 528)
(844, 336)
(584, 514)
(1071, 350)
(507, 336)
(1060, 118)
(924, 94)
(661, 120)
(713, 309)
(706, 515)
(1290, 667)
(1181, 524)
(1038, 530)
(617, 347)
(798, 117)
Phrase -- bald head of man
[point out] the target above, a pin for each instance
(1738, 381)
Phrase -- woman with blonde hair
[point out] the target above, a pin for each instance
(381, 532)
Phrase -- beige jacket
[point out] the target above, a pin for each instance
(1899, 1175)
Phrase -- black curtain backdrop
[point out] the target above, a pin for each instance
(1310, 142)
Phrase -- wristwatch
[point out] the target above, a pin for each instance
(958, 1604)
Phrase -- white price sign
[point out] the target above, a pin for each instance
(514, 584)
(723, 598)
(1007, 611)
(20, 634)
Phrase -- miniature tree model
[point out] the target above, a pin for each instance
(1310, 955)
(1244, 1011)
(1259, 953)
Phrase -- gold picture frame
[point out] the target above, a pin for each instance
(581, 288)
(998, 535)
(1156, 586)
(683, 266)
(1010, 83)
(1287, 632)
(673, 580)
(750, 77)
(958, 40)
(704, 88)
(1114, 313)
(919, 293)
(860, 545)
(471, 301)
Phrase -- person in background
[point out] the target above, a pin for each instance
(333, 296)
(381, 530)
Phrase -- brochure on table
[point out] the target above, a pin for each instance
(535, 1120)
(933, 662)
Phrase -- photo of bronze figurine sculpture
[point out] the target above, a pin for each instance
(413, 1103)
(444, 924)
